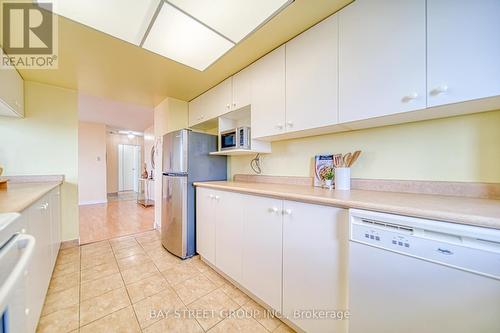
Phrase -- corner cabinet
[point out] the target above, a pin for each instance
(382, 58)
(290, 256)
(463, 59)
(11, 93)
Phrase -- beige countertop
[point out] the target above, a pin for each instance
(479, 212)
(19, 196)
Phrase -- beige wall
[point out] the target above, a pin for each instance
(170, 115)
(46, 142)
(465, 148)
(91, 163)
(112, 142)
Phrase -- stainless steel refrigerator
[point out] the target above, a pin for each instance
(186, 159)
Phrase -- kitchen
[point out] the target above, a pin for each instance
(262, 208)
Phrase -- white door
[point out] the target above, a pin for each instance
(268, 94)
(463, 50)
(315, 242)
(228, 233)
(129, 166)
(242, 87)
(312, 77)
(381, 58)
(205, 223)
(262, 249)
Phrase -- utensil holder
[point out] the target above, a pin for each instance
(342, 178)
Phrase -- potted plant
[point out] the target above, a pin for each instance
(329, 178)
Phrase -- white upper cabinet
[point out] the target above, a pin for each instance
(268, 94)
(11, 93)
(463, 50)
(211, 104)
(381, 58)
(242, 85)
(312, 77)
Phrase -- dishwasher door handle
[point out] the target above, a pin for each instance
(27, 242)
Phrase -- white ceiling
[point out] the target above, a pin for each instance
(113, 113)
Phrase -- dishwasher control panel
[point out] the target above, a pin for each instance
(454, 248)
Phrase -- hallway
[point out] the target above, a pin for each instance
(114, 219)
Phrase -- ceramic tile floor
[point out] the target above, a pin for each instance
(132, 284)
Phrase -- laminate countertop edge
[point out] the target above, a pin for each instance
(20, 196)
(468, 211)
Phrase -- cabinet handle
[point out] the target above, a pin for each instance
(279, 126)
(27, 311)
(410, 97)
(287, 212)
(234, 104)
(44, 206)
(273, 210)
(228, 106)
(217, 197)
(289, 123)
(211, 196)
(439, 90)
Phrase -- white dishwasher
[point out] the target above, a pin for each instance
(421, 276)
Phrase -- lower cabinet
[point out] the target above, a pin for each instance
(315, 243)
(44, 223)
(290, 255)
(262, 248)
(228, 233)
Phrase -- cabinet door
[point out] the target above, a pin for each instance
(315, 243)
(268, 94)
(463, 50)
(229, 228)
(219, 99)
(197, 110)
(40, 269)
(312, 77)
(242, 85)
(55, 222)
(262, 249)
(12, 93)
(205, 224)
(381, 58)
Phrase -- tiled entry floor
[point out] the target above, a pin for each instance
(132, 284)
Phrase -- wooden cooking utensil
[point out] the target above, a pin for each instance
(347, 160)
(354, 157)
(337, 160)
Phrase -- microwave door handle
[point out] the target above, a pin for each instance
(21, 241)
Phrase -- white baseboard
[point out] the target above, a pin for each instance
(92, 202)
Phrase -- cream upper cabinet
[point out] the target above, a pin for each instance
(262, 248)
(211, 104)
(312, 77)
(315, 243)
(463, 50)
(11, 93)
(382, 59)
(268, 94)
(242, 85)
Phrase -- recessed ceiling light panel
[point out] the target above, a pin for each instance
(124, 19)
(177, 36)
(233, 19)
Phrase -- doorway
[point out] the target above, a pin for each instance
(129, 157)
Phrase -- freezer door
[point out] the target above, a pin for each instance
(175, 152)
(174, 215)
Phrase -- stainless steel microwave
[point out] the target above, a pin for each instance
(236, 138)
